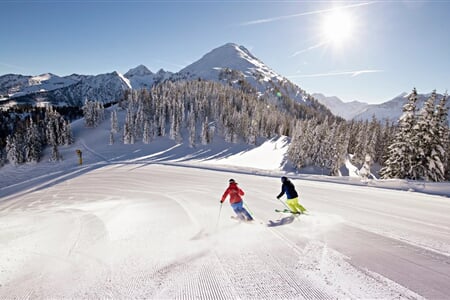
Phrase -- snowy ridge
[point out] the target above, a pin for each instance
(229, 63)
(126, 80)
(12, 83)
(104, 87)
(70, 90)
(237, 60)
(346, 110)
(140, 77)
(391, 110)
(18, 85)
(230, 56)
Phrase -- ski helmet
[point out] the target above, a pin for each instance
(284, 179)
(231, 181)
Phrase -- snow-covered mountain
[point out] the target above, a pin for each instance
(70, 90)
(234, 57)
(234, 64)
(229, 64)
(346, 110)
(141, 77)
(392, 109)
(355, 110)
(19, 85)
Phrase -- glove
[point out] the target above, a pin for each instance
(221, 201)
(278, 198)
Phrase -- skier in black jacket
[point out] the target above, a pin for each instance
(288, 188)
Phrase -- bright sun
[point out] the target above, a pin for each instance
(337, 27)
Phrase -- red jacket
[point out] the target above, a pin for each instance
(235, 193)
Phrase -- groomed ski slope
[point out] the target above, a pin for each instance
(138, 223)
(154, 231)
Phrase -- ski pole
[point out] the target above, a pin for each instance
(220, 209)
(285, 205)
(249, 210)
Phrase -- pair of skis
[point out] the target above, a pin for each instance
(288, 211)
(242, 220)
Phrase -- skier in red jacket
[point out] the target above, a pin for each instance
(236, 201)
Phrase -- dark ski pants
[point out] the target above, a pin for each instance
(240, 211)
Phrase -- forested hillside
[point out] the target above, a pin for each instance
(197, 112)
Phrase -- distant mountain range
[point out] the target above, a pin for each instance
(230, 64)
(346, 110)
(356, 110)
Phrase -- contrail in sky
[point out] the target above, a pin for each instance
(310, 48)
(11, 66)
(351, 73)
(315, 12)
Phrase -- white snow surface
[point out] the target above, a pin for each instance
(144, 221)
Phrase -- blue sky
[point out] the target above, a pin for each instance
(385, 47)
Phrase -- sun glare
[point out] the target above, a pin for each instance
(337, 27)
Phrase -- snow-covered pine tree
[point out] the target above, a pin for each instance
(361, 145)
(55, 156)
(88, 113)
(33, 145)
(343, 140)
(427, 164)
(11, 149)
(329, 149)
(114, 122)
(315, 152)
(139, 119)
(111, 137)
(146, 135)
(294, 148)
(52, 138)
(228, 131)
(204, 135)
(401, 153)
(161, 118)
(309, 143)
(66, 134)
(93, 113)
(365, 171)
(128, 130)
(52, 132)
(15, 148)
(252, 132)
(385, 138)
(372, 140)
(211, 131)
(339, 138)
(443, 132)
(2, 157)
(191, 129)
(99, 112)
(173, 126)
(306, 143)
(323, 144)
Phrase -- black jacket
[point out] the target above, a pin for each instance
(288, 188)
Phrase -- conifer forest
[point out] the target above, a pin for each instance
(415, 147)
